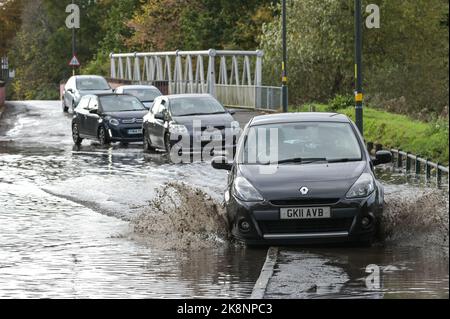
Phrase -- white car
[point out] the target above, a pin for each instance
(81, 85)
(145, 93)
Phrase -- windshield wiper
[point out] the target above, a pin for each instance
(300, 160)
(344, 160)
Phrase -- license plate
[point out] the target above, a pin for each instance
(305, 213)
(207, 138)
(132, 132)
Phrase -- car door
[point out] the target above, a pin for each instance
(160, 126)
(69, 90)
(149, 124)
(91, 119)
(81, 112)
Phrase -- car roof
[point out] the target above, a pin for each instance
(136, 87)
(181, 96)
(89, 77)
(299, 117)
(105, 94)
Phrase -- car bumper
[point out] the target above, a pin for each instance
(267, 227)
(121, 133)
(218, 147)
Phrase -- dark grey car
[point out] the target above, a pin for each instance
(197, 119)
(310, 181)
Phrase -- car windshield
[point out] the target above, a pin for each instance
(187, 106)
(91, 84)
(120, 103)
(144, 95)
(301, 143)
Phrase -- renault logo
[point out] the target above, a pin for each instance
(304, 191)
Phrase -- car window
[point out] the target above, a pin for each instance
(306, 140)
(144, 94)
(84, 103)
(70, 84)
(156, 106)
(121, 103)
(91, 84)
(185, 106)
(93, 104)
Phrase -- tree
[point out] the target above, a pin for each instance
(405, 60)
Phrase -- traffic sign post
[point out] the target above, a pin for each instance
(74, 63)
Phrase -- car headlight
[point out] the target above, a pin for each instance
(178, 129)
(114, 122)
(245, 191)
(363, 187)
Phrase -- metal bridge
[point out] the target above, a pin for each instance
(233, 77)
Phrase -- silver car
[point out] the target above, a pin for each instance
(81, 85)
(145, 93)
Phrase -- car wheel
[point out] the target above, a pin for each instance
(147, 144)
(64, 107)
(103, 136)
(76, 134)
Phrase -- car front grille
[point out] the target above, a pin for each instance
(305, 201)
(306, 226)
(132, 121)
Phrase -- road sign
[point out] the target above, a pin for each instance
(74, 62)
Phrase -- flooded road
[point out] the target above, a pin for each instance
(65, 229)
(51, 246)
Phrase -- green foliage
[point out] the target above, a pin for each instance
(427, 139)
(341, 102)
(406, 60)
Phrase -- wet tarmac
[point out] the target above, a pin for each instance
(53, 247)
(65, 231)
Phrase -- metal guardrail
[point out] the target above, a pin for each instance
(264, 98)
(407, 161)
(234, 77)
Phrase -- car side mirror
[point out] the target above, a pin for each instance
(93, 111)
(382, 157)
(70, 90)
(222, 163)
(232, 112)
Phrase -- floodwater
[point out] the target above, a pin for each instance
(65, 228)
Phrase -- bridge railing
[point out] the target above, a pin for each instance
(234, 77)
(410, 163)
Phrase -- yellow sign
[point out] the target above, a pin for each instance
(359, 97)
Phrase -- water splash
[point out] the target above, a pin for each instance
(181, 217)
(416, 217)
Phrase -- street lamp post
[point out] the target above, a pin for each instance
(359, 95)
(284, 65)
(74, 52)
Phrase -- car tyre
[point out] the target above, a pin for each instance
(103, 136)
(76, 134)
(64, 107)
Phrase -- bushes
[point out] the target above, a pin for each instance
(340, 102)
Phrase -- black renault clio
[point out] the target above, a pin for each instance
(108, 118)
(301, 179)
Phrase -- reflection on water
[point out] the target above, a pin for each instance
(52, 248)
(395, 176)
(394, 272)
